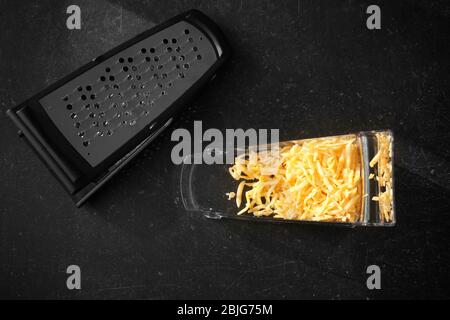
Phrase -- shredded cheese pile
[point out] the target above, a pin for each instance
(384, 176)
(313, 179)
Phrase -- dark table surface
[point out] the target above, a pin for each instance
(309, 68)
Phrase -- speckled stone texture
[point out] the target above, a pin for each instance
(309, 68)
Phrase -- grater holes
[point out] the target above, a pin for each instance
(174, 55)
(157, 69)
(83, 97)
(69, 107)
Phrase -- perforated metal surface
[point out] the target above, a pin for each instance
(102, 109)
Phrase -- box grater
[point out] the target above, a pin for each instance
(88, 125)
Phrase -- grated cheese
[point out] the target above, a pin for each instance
(313, 179)
(384, 176)
(230, 195)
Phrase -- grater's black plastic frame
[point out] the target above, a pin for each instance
(57, 153)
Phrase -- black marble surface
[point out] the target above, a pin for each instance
(309, 68)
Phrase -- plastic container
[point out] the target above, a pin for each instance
(204, 187)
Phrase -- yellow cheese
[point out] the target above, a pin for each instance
(230, 195)
(313, 179)
(384, 176)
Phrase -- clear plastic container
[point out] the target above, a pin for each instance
(204, 187)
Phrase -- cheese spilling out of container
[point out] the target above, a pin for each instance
(314, 179)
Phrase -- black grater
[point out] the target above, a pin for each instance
(88, 125)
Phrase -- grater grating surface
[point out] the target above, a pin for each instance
(100, 110)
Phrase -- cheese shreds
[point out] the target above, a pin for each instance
(230, 195)
(313, 179)
(384, 176)
(239, 194)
